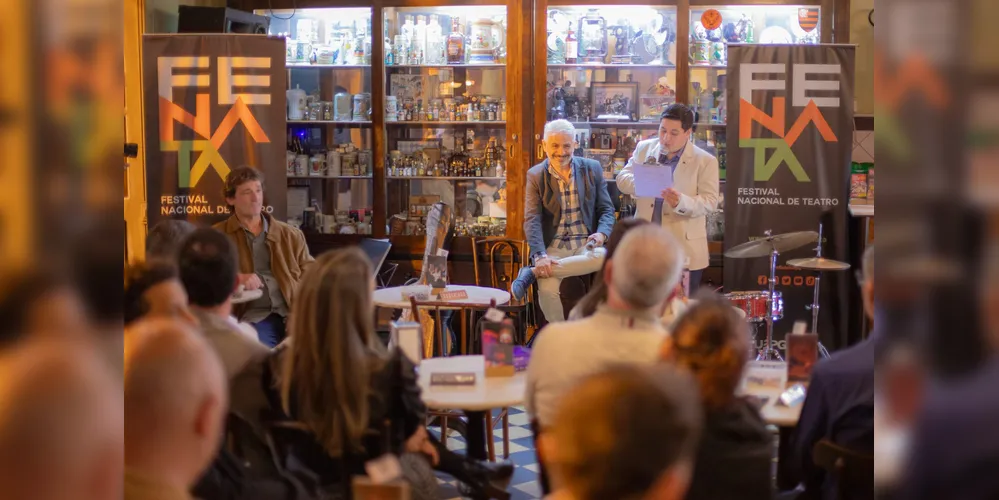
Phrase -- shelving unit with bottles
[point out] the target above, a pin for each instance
(330, 166)
(445, 117)
(708, 51)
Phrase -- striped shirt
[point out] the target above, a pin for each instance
(571, 232)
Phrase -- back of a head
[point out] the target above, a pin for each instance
(624, 432)
(623, 227)
(166, 237)
(60, 423)
(96, 271)
(646, 266)
(140, 277)
(712, 342)
(333, 346)
(175, 399)
(208, 267)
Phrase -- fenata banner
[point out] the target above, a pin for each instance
(790, 137)
(213, 102)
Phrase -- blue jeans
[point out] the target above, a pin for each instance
(695, 281)
(270, 330)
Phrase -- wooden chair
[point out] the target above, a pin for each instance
(502, 260)
(853, 471)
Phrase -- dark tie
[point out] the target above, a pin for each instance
(657, 210)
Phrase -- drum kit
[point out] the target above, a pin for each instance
(767, 306)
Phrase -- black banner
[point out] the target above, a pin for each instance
(790, 135)
(212, 103)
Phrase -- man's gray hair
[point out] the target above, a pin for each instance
(559, 127)
(867, 271)
(646, 266)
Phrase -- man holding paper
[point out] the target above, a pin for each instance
(675, 184)
(568, 216)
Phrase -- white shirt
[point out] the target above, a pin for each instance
(567, 352)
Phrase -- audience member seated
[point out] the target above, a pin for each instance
(624, 433)
(345, 399)
(207, 261)
(711, 342)
(273, 256)
(954, 444)
(598, 292)
(153, 289)
(839, 406)
(60, 423)
(165, 238)
(34, 303)
(641, 278)
(175, 406)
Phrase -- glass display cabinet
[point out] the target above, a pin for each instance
(711, 30)
(329, 158)
(445, 113)
(610, 70)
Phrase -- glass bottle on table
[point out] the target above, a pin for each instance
(455, 44)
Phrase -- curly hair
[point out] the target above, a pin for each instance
(711, 341)
(239, 176)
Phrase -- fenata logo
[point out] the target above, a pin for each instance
(772, 77)
(194, 73)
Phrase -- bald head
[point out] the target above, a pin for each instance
(60, 423)
(646, 267)
(175, 401)
(598, 446)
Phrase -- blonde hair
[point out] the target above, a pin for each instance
(326, 373)
(711, 341)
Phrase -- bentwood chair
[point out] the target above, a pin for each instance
(497, 262)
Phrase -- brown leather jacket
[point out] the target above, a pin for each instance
(290, 255)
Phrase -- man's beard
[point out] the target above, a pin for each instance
(561, 160)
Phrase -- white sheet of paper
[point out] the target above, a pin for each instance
(651, 180)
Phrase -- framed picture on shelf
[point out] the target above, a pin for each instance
(651, 106)
(613, 102)
(408, 87)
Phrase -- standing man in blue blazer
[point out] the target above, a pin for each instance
(568, 216)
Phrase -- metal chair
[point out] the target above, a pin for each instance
(505, 257)
(854, 471)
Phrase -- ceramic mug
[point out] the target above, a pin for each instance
(301, 165)
(317, 165)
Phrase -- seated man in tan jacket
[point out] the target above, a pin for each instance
(273, 256)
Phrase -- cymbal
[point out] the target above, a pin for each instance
(763, 246)
(819, 264)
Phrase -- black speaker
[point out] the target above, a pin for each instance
(220, 20)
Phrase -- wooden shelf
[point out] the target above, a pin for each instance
(330, 122)
(616, 124)
(441, 178)
(708, 66)
(326, 66)
(457, 66)
(448, 124)
(611, 66)
(324, 177)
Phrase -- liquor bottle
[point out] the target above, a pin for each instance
(389, 56)
(571, 47)
(435, 41)
(455, 44)
(420, 39)
(367, 44)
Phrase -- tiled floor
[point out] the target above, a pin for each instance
(524, 485)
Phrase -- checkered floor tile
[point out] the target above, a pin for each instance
(524, 485)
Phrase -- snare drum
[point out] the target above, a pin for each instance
(755, 305)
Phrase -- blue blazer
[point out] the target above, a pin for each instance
(543, 202)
